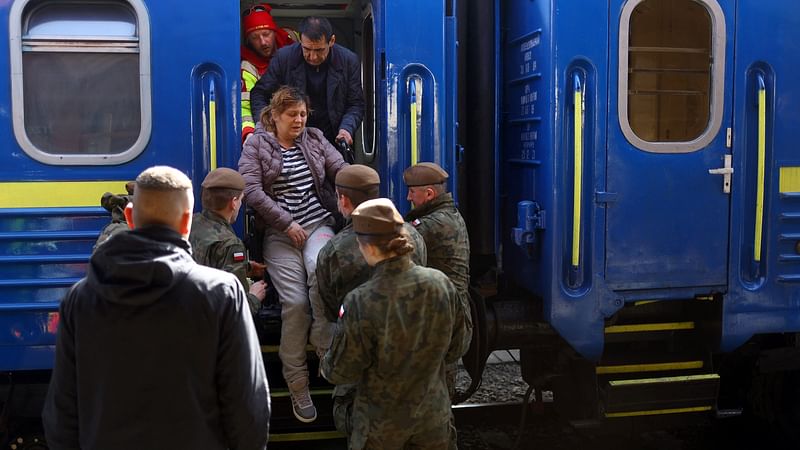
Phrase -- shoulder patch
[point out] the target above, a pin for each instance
(238, 256)
(341, 311)
(416, 222)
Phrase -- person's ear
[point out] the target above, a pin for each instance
(332, 40)
(430, 194)
(185, 225)
(129, 215)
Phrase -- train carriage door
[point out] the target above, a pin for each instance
(415, 63)
(668, 157)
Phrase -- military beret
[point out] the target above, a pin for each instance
(224, 178)
(424, 174)
(358, 177)
(377, 217)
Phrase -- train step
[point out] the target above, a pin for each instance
(660, 395)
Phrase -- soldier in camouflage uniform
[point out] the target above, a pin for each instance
(395, 334)
(341, 267)
(115, 204)
(438, 221)
(214, 243)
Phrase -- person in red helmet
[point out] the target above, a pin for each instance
(262, 37)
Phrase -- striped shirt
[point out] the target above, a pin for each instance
(294, 189)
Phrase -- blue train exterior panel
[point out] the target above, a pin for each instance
(49, 206)
(415, 55)
(550, 52)
(637, 143)
(764, 295)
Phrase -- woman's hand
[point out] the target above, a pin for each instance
(297, 234)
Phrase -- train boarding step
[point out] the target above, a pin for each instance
(284, 427)
(659, 367)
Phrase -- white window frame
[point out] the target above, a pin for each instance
(717, 91)
(80, 44)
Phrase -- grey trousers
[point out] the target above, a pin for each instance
(293, 273)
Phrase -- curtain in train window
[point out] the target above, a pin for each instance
(668, 67)
(81, 81)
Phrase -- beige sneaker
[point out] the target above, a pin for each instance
(302, 406)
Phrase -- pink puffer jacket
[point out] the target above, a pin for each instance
(261, 163)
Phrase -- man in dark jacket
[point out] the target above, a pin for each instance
(329, 74)
(154, 350)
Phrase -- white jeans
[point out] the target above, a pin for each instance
(293, 273)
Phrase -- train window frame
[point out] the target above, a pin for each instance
(716, 78)
(94, 43)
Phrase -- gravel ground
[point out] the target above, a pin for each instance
(503, 383)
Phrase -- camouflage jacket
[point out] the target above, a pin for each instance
(215, 244)
(445, 234)
(341, 267)
(447, 241)
(393, 339)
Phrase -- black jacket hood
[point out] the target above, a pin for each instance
(154, 257)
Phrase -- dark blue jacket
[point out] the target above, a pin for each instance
(345, 94)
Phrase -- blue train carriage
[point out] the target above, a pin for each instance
(100, 90)
(96, 92)
(648, 194)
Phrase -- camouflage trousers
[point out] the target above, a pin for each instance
(343, 397)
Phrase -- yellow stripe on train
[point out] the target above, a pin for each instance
(56, 194)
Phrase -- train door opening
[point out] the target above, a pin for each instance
(669, 157)
(408, 76)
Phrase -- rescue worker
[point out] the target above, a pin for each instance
(115, 204)
(395, 334)
(214, 243)
(262, 38)
(341, 267)
(327, 72)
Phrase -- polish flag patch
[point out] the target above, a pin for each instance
(238, 256)
(341, 311)
(416, 222)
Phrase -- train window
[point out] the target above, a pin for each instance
(80, 80)
(671, 73)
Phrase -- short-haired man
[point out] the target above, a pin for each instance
(328, 73)
(439, 222)
(214, 243)
(154, 350)
(341, 267)
(262, 37)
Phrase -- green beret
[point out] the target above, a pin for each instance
(224, 178)
(424, 174)
(358, 177)
(377, 217)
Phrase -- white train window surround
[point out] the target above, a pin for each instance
(80, 80)
(671, 74)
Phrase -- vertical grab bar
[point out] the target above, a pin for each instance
(212, 125)
(413, 118)
(762, 150)
(577, 187)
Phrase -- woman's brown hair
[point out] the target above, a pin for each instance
(397, 244)
(284, 98)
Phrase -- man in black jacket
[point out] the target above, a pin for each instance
(154, 350)
(329, 74)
